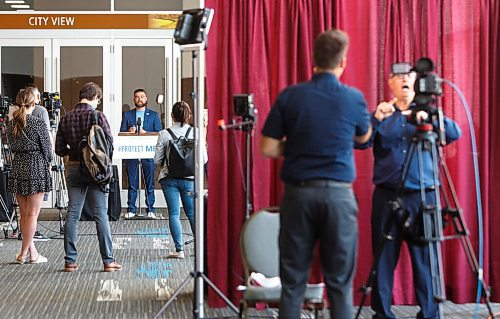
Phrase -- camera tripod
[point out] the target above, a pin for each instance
(5, 165)
(60, 191)
(426, 227)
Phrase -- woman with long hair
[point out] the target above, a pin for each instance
(30, 175)
(175, 187)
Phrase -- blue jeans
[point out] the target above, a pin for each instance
(78, 193)
(172, 188)
(148, 172)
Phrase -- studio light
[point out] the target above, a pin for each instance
(193, 26)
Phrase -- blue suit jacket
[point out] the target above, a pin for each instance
(150, 123)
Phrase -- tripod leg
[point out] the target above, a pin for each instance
(389, 208)
(175, 294)
(460, 227)
(218, 292)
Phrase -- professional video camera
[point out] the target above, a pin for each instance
(427, 86)
(4, 108)
(52, 102)
(244, 106)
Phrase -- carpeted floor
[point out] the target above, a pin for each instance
(146, 282)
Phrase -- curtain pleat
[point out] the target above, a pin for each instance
(260, 47)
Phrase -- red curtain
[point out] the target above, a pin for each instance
(260, 47)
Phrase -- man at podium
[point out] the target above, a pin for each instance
(140, 120)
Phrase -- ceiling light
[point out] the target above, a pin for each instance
(14, 1)
(20, 6)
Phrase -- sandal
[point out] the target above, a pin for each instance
(39, 260)
(20, 259)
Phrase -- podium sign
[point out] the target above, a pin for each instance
(130, 146)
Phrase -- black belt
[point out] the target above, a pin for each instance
(325, 183)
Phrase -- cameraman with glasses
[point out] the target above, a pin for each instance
(393, 130)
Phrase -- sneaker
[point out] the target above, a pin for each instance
(129, 215)
(152, 215)
(176, 254)
(40, 237)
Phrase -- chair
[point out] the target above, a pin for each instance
(260, 254)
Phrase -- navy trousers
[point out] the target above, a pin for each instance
(383, 216)
(148, 172)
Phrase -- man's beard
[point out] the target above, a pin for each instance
(144, 105)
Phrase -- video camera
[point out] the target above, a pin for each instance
(427, 85)
(244, 106)
(4, 108)
(52, 103)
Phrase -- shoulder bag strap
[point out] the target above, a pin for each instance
(187, 132)
(171, 133)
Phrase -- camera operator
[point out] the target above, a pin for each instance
(393, 131)
(40, 112)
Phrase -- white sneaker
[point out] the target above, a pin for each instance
(176, 254)
(151, 215)
(129, 215)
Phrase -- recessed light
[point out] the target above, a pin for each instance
(20, 6)
(14, 1)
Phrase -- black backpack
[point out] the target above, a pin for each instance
(95, 155)
(180, 159)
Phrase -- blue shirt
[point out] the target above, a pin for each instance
(391, 140)
(319, 120)
(139, 114)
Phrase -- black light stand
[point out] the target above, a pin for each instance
(244, 107)
(192, 28)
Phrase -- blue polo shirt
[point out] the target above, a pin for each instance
(319, 120)
(391, 140)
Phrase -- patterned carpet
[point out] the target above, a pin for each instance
(146, 282)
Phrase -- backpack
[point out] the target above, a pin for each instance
(95, 155)
(180, 157)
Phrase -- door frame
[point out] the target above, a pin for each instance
(112, 42)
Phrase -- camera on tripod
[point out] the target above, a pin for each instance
(4, 108)
(52, 103)
(427, 86)
(244, 106)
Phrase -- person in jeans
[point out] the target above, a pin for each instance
(173, 187)
(30, 176)
(72, 128)
(314, 125)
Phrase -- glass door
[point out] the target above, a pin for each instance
(78, 61)
(23, 62)
(147, 64)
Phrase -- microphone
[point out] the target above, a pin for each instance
(139, 120)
